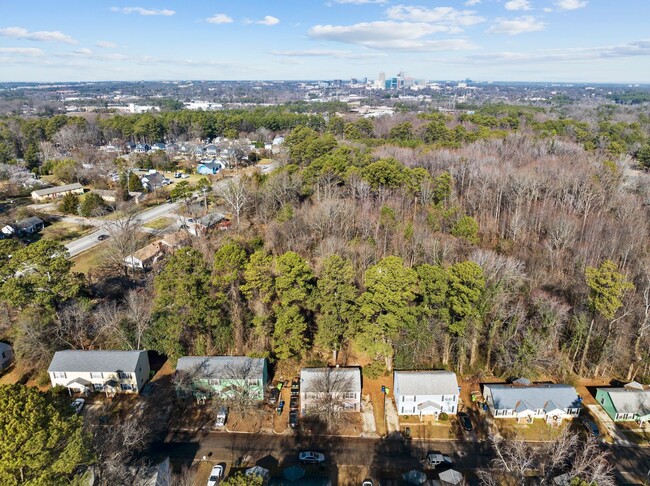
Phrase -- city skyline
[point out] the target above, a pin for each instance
(488, 40)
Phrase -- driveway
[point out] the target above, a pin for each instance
(609, 424)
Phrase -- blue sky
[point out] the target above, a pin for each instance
(499, 40)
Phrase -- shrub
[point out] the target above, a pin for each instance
(374, 370)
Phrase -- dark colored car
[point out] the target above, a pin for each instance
(274, 394)
(465, 421)
(295, 386)
(280, 407)
(293, 419)
(102, 237)
(293, 403)
(590, 427)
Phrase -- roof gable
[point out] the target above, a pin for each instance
(426, 383)
(95, 361)
(536, 397)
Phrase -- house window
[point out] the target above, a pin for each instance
(349, 395)
(59, 374)
(96, 375)
(252, 382)
(214, 381)
(408, 398)
(449, 398)
(98, 387)
(124, 376)
(126, 387)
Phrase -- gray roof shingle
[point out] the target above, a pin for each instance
(95, 361)
(311, 379)
(426, 383)
(54, 190)
(628, 400)
(534, 397)
(223, 366)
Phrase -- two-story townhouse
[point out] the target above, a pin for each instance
(108, 371)
(551, 402)
(231, 377)
(330, 387)
(425, 393)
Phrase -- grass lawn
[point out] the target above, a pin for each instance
(160, 223)
(538, 430)
(88, 260)
(63, 232)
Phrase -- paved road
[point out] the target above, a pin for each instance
(376, 454)
(87, 242)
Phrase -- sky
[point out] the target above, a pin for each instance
(488, 40)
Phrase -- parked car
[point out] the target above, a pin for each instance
(274, 394)
(465, 421)
(77, 405)
(222, 416)
(293, 419)
(294, 403)
(280, 407)
(103, 237)
(185, 176)
(367, 482)
(311, 457)
(295, 386)
(436, 458)
(177, 175)
(590, 427)
(215, 475)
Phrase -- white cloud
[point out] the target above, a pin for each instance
(471, 3)
(339, 54)
(518, 5)
(106, 45)
(22, 51)
(390, 35)
(571, 55)
(359, 2)
(267, 20)
(519, 25)
(84, 51)
(438, 15)
(219, 19)
(143, 11)
(42, 36)
(571, 4)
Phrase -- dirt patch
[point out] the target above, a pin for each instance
(372, 390)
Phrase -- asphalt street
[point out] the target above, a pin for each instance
(90, 241)
(376, 454)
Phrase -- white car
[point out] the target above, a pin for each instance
(77, 405)
(215, 475)
(310, 457)
(222, 416)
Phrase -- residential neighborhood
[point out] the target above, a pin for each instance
(404, 270)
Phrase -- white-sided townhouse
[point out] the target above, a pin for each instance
(100, 371)
(425, 393)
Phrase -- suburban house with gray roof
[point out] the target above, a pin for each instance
(327, 387)
(57, 192)
(24, 227)
(629, 403)
(550, 402)
(108, 371)
(224, 376)
(426, 393)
